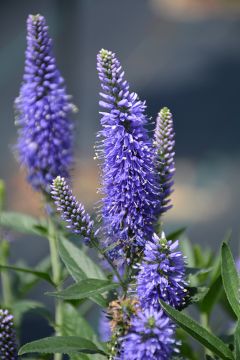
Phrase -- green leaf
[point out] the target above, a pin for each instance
(61, 345)
(212, 296)
(230, 279)
(75, 324)
(199, 333)
(21, 223)
(187, 249)
(78, 263)
(80, 266)
(19, 308)
(237, 341)
(39, 274)
(197, 293)
(85, 289)
(174, 235)
(197, 271)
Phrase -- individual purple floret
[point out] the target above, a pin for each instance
(8, 346)
(129, 186)
(164, 158)
(71, 210)
(151, 337)
(162, 275)
(104, 327)
(45, 143)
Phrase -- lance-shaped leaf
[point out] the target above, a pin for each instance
(22, 223)
(85, 289)
(199, 333)
(39, 274)
(81, 266)
(61, 345)
(230, 279)
(237, 341)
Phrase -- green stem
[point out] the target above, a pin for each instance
(56, 272)
(5, 278)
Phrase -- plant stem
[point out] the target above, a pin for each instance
(5, 278)
(56, 272)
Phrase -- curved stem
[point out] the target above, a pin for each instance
(56, 272)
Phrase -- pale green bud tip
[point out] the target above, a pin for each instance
(165, 112)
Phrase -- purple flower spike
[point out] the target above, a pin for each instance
(162, 275)
(151, 337)
(8, 347)
(71, 210)
(128, 180)
(164, 158)
(45, 143)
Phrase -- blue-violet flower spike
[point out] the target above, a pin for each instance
(45, 142)
(162, 275)
(8, 346)
(129, 186)
(150, 337)
(164, 158)
(71, 210)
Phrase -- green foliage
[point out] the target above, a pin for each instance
(85, 289)
(230, 279)
(198, 332)
(62, 345)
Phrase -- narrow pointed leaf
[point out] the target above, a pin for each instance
(230, 279)
(78, 263)
(39, 274)
(176, 234)
(61, 345)
(237, 341)
(85, 289)
(199, 333)
(212, 296)
(80, 266)
(22, 223)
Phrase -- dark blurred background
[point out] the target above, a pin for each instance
(184, 54)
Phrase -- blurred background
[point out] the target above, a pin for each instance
(184, 54)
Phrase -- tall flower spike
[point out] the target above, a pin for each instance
(8, 347)
(162, 275)
(45, 142)
(164, 158)
(71, 210)
(151, 337)
(128, 179)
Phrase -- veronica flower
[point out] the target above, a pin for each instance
(8, 347)
(150, 337)
(164, 158)
(128, 180)
(45, 136)
(73, 212)
(162, 275)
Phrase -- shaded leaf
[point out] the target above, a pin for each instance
(39, 274)
(22, 223)
(199, 333)
(85, 289)
(62, 345)
(212, 296)
(78, 263)
(230, 279)
(19, 308)
(237, 341)
(197, 293)
(175, 235)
